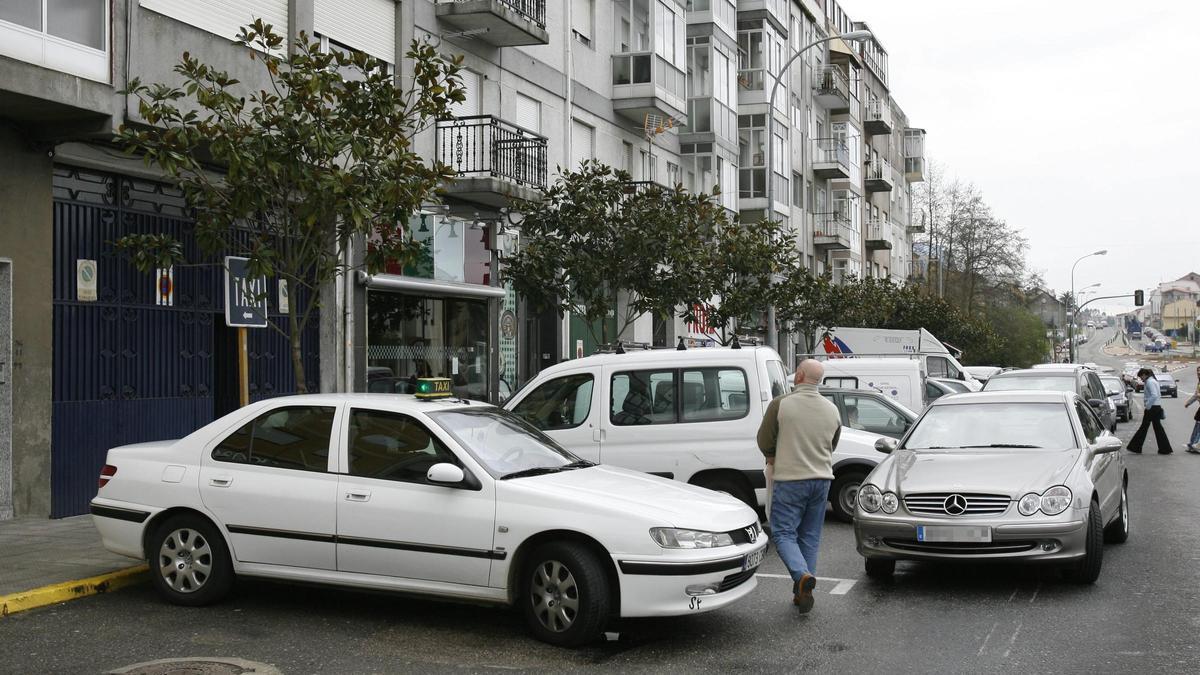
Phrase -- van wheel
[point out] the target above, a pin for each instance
(844, 493)
(189, 561)
(564, 595)
(730, 487)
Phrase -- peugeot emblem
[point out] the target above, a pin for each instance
(955, 505)
(751, 534)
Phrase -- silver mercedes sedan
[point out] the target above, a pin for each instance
(1028, 476)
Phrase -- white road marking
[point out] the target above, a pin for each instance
(1013, 640)
(1014, 595)
(840, 586)
(1035, 592)
(987, 639)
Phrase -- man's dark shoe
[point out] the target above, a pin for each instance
(802, 593)
(1165, 452)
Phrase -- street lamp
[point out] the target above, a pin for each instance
(1071, 323)
(852, 36)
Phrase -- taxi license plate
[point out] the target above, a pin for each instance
(753, 559)
(954, 533)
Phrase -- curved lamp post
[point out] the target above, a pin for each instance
(1071, 323)
(852, 36)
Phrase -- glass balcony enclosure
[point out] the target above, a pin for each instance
(710, 86)
(650, 60)
(70, 37)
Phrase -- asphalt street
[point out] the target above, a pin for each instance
(1141, 615)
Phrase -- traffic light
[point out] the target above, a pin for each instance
(1139, 297)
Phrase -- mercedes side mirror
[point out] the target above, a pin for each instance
(1108, 444)
(1096, 402)
(886, 445)
(445, 473)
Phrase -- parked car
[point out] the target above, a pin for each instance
(936, 388)
(448, 499)
(870, 411)
(1014, 476)
(1066, 377)
(982, 373)
(1167, 385)
(690, 415)
(1115, 388)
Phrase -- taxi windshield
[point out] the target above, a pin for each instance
(504, 443)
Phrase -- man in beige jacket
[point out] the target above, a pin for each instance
(798, 434)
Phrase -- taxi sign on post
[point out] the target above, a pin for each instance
(433, 387)
(245, 296)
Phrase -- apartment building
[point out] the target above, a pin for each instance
(673, 91)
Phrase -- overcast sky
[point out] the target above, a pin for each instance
(1078, 121)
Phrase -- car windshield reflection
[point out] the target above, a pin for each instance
(993, 425)
(504, 443)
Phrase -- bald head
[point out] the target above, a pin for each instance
(811, 371)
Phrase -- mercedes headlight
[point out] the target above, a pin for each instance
(869, 498)
(1056, 500)
(890, 502)
(670, 537)
(1051, 502)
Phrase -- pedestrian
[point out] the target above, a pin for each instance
(1153, 414)
(1191, 444)
(798, 435)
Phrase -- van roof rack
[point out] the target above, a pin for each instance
(620, 347)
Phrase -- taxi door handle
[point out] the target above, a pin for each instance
(358, 496)
(220, 481)
(597, 435)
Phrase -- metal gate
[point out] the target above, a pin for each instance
(126, 369)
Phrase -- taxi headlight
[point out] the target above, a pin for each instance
(1056, 500)
(869, 498)
(890, 502)
(670, 537)
(1029, 504)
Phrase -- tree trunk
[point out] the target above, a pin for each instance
(297, 350)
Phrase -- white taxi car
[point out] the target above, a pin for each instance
(443, 498)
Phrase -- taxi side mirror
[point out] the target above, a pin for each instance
(445, 473)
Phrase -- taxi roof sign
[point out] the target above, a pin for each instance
(433, 387)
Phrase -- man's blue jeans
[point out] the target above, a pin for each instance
(1195, 434)
(797, 516)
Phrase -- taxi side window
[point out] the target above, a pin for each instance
(561, 403)
(295, 437)
(393, 446)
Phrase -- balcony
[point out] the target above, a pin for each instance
(831, 158)
(878, 121)
(831, 88)
(494, 160)
(501, 23)
(878, 176)
(879, 235)
(914, 155)
(645, 83)
(916, 229)
(832, 231)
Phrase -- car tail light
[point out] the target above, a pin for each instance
(107, 473)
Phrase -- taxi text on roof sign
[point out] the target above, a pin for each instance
(433, 387)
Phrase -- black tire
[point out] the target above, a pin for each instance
(1087, 571)
(1117, 531)
(189, 561)
(880, 569)
(558, 572)
(729, 486)
(843, 494)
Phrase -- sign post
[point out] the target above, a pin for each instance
(245, 307)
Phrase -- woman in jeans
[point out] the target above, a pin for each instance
(1191, 444)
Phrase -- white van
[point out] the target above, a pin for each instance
(936, 359)
(690, 415)
(898, 379)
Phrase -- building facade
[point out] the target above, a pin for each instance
(672, 91)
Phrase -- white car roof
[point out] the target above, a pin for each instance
(382, 401)
(1006, 397)
(650, 358)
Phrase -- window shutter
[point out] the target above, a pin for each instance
(224, 17)
(366, 25)
(582, 143)
(528, 114)
(471, 105)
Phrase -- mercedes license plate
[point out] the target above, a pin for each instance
(753, 559)
(953, 533)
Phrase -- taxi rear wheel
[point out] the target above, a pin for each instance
(189, 562)
(565, 594)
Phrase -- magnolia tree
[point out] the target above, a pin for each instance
(290, 175)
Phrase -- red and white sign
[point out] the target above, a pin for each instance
(166, 287)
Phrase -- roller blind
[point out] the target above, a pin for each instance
(528, 114)
(582, 143)
(366, 25)
(224, 17)
(471, 104)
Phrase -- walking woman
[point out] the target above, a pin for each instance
(1191, 444)
(1152, 415)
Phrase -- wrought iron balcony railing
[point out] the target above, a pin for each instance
(485, 145)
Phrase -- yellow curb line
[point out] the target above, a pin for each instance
(70, 590)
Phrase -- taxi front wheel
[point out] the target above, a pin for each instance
(564, 594)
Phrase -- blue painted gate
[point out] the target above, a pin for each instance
(127, 370)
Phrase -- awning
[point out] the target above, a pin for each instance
(839, 46)
(454, 289)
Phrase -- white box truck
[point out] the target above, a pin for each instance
(936, 359)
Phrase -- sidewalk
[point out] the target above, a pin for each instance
(44, 561)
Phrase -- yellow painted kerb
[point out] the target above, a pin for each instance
(69, 590)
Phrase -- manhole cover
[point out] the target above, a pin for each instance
(197, 666)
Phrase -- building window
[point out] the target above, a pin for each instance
(797, 191)
(71, 37)
(583, 20)
(752, 159)
(673, 175)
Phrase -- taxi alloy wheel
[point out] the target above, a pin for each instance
(565, 594)
(189, 561)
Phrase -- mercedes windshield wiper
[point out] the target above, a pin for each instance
(535, 471)
(581, 464)
(1003, 445)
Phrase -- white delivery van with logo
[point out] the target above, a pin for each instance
(936, 359)
(899, 379)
